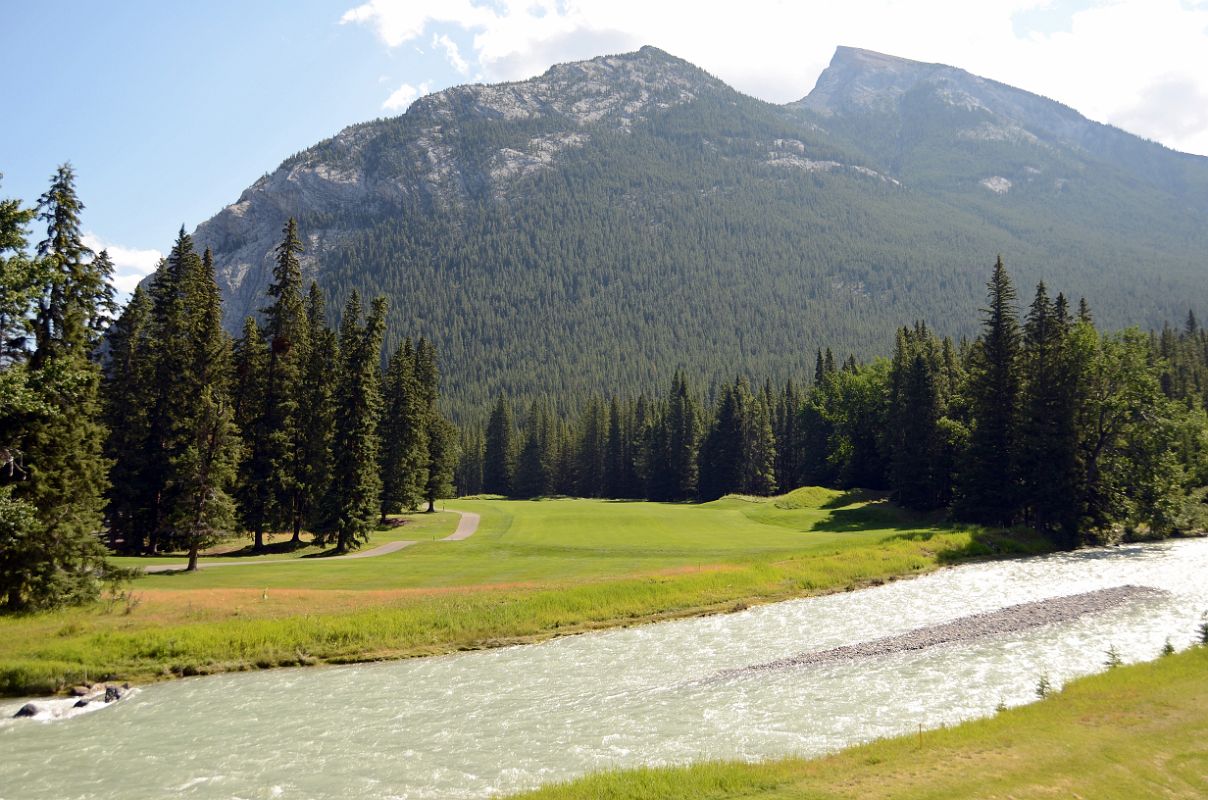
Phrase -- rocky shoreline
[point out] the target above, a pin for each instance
(975, 626)
(97, 693)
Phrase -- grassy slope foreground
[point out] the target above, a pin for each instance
(1138, 731)
(534, 569)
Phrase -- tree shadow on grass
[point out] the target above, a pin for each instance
(879, 515)
(852, 496)
(983, 543)
(283, 547)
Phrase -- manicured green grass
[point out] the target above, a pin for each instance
(1133, 732)
(534, 569)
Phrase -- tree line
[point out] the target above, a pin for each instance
(156, 431)
(1041, 421)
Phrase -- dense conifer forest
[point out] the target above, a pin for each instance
(1041, 421)
(152, 430)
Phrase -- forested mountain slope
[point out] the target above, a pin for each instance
(596, 227)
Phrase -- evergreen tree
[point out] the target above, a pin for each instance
(127, 391)
(315, 412)
(356, 484)
(535, 463)
(441, 434)
(468, 476)
(498, 466)
(21, 280)
(989, 472)
(1048, 439)
(405, 434)
(786, 431)
(250, 369)
(738, 453)
(684, 425)
(592, 449)
(285, 327)
(51, 519)
(443, 453)
(617, 457)
(204, 470)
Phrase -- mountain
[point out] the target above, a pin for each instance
(598, 226)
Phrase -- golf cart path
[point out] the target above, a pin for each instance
(466, 526)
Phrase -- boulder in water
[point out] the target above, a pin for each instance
(27, 710)
(81, 703)
(112, 693)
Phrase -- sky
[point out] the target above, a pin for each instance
(169, 109)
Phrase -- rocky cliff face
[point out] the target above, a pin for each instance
(867, 85)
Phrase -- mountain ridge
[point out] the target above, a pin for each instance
(595, 227)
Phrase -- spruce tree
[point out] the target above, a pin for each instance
(1048, 440)
(721, 451)
(206, 461)
(250, 368)
(592, 449)
(405, 434)
(534, 464)
(760, 449)
(53, 553)
(683, 434)
(989, 472)
(498, 466)
(617, 456)
(285, 327)
(315, 413)
(204, 471)
(443, 449)
(128, 394)
(468, 477)
(443, 453)
(356, 482)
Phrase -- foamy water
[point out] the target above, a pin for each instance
(485, 723)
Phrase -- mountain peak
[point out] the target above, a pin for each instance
(610, 89)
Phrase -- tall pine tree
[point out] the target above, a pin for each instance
(356, 481)
(989, 485)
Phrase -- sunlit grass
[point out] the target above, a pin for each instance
(533, 570)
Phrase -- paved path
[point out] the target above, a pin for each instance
(466, 527)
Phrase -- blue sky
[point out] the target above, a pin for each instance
(169, 109)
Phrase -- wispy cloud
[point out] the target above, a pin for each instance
(130, 264)
(404, 96)
(452, 52)
(1106, 59)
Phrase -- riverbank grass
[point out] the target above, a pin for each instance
(533, 570)
(1132, 732)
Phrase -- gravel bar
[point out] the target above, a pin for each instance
(1011, 619)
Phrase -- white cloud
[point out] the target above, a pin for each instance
(1113, 60)
(404, 96)
(452, 52)
(130, 265)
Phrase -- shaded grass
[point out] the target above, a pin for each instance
(1132, 732)
(532, 571)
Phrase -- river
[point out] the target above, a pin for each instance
(491, 722)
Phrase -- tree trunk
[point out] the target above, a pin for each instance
(297, 531)
(431, 505)
(192, 556)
